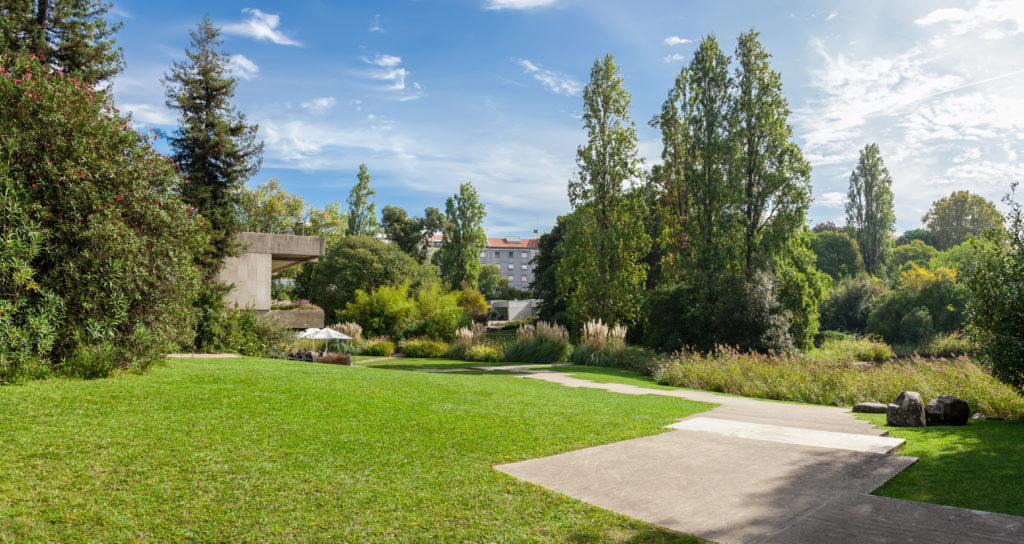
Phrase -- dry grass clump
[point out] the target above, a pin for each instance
(351, 329)
(539, 343)
(838, 382)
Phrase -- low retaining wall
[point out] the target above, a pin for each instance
(298, 319)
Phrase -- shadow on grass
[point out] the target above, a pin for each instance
(649, 535)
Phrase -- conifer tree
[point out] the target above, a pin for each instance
(72, 35)
(213, 145)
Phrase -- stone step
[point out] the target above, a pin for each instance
(791, 435)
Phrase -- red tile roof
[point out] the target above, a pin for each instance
(525, 243)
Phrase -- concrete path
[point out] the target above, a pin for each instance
(754, 471)
(203, 355)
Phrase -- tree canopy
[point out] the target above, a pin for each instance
(961, 216)
(836, 254)
(362, 210)
(464, 238)
(73, 36)
(869, 208)
(601, 275)
(411, 234)
(213, 145)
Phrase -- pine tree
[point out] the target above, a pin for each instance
(362, 211)
(601, 275)
(72, 35)
(213, 145)
(869, 208)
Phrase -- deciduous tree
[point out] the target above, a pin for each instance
(601, 275)
(961, 216)
(464, 238)
(869, 208)
(362, 210)
(411, 234)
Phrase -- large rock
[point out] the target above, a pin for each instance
(906, 410)
(870, 408)
(947, 410)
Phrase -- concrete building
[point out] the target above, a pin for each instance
(513, 310)
(512, 254)
(252, 271)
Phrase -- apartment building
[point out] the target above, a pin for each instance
(512, 254)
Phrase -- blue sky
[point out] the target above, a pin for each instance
(433, 94)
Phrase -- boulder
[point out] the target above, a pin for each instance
(870, 408)
(906, 410)
(947, 410)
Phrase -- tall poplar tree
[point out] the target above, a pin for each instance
(73, 35)
(362, 210)
(601, 275)
(869, 208)
(464, 238)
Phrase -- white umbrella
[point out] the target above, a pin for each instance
(307, 332)
(327, 334)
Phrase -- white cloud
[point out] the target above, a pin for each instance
(832, 199)
(676, 40)
(260, 26)
(390, 70)
(674, 57)
(148, 114)
(240, 66)
(1002, 18)
(319, 105)
(517, 4)
(945, 110)
(385, 61)
(555, 82)
(375, 27)
(832, 15)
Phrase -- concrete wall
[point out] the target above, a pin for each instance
(512, 310)
(265, 254)
(298, 319)
(250, 272)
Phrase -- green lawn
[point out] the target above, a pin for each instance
(234, 450)
(411, 363)
(979, 466)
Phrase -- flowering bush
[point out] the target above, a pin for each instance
(101, 245)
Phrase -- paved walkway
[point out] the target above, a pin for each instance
(754, 471)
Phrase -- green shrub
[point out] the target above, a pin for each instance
(916, 251)
(423, 348)
(852, 348)
(995, 280)
(838, 382)
(848, 304)
(97, 247)
(897, 315)
(951, 345)
(481, 353)
(90, 361)
(439, 314)
(379, 346)
(836, 254)
(539, 344)
(824, 336)
(386, 311)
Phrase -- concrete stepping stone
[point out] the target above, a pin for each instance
(791, 435)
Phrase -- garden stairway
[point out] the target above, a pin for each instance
(754, 471)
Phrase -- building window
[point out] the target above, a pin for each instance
(524, 278)
(524, 266)
(483, 254)
(510, 253)
(497, 254)
(526, 254)
(511, 278)
(511, 266)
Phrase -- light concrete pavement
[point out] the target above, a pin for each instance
(754, 471)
